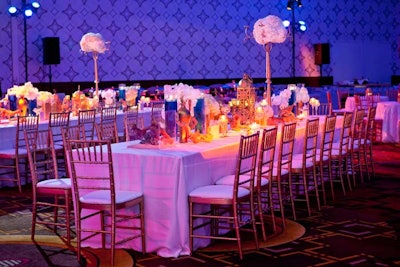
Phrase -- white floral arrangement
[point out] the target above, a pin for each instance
(282, 100)
(302, 95)
(212, 106)
(131, 94)
(269, 30)
(183, 92)
(267, 109)
(314, 102)
(93, 42)
(109, 96)
(44, 97)
(24, 91)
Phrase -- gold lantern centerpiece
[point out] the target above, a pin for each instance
(246, 99)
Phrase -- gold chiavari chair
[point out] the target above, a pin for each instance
(281, 172)
(355, 145)
(58, 121)
(95, 191)
(228, 203)
(367, 143)
(322, 109)
(340, 153)
(263, 187)
(156, 110)
(48, 190)
(342, 95)
(324, 154)
(304, 169)
(107, 128)
(334, 111)
(87, 118)
(265, 167)
(12, 158)
(132, 122)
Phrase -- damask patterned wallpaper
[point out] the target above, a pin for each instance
(198, 39)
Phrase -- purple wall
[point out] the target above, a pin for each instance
(168, 40)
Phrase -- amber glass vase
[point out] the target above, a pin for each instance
(23, 106)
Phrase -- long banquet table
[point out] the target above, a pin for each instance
(350, 104)
(166, 175)
(8, 131)
(389, 113)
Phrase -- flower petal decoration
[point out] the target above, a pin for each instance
(269, 30)
(93, 42)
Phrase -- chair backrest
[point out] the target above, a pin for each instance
(357, 129)
(132, 121)
(329, 97)
(107, 130)
(286, 145)
(328, 136)
(391, 93)
(156, 110)
(266, 154)
(108, 114)
(310, 140)
(87, 118)
(41, 156)
(345, 133)
(25, 123)
(369, 129)
(372, 100)
(246, 162)
(57, 121)
(342, 96)
(96, 156)
(322, 109)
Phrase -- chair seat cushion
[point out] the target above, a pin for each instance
(275, 172)
(63, 183)
(218, 191)
(230, 179)
(298, 164)
(104, 197)
(10, 153)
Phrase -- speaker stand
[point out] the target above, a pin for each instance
(50, 78)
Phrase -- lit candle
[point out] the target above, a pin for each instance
(223, 125)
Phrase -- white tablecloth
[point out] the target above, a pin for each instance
(350, 104)
(389, 112)
(7, 130)
(166, 176)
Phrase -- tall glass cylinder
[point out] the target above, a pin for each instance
(171, 107)
(200, 115)
(13, 102)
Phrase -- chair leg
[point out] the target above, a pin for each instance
(261, 215)
(55, 214)
(34, 216)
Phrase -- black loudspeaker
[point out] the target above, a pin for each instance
(51, 51)
(322, 54)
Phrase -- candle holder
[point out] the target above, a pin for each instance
(223, 126)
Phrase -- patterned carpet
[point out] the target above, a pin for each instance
(359, 229)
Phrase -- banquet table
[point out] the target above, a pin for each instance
(8, 131)
(389, 113)
(166, 175)
(350, 104)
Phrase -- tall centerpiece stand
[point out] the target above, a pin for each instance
(95, 44)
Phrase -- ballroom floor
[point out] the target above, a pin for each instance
(359, 229)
